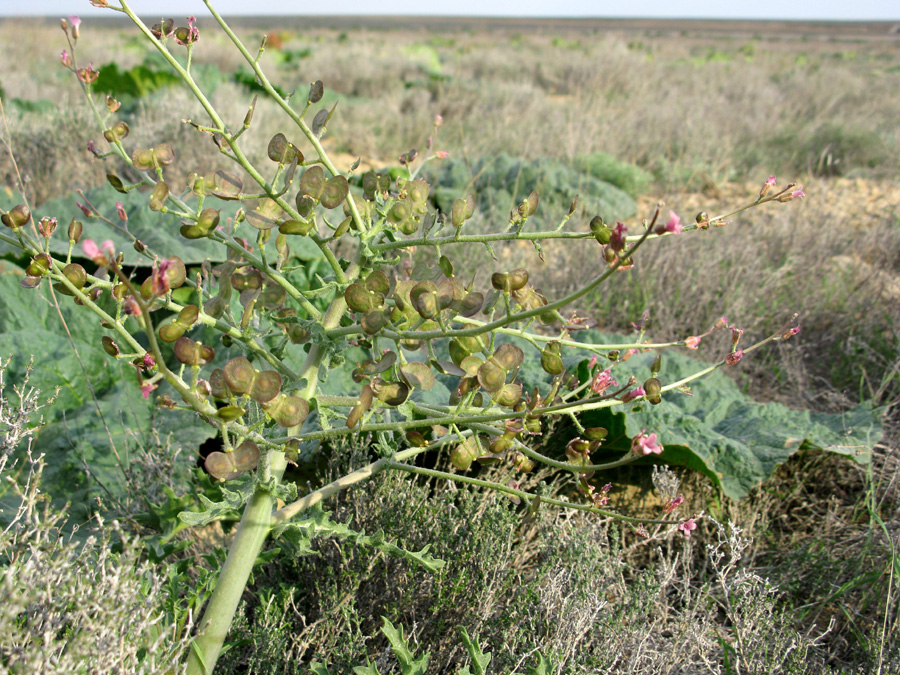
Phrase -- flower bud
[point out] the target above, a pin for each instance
(734, 357)
(65, 58)
(47, 226)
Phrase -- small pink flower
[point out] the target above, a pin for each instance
(692, 342)
(112, 104)
(633, 394)
(438, 120)
(120, 210)
(592, 362)
(687, 527)
(47, 226)
(734, 357)
(603, 381)
(770, 181)
(674, 225)
(85, 210)
(90, 248)
(617, 238)
(736, 335)
(798, 194)
(65, 58)
(442, 154)
(673, 504)
(646, 444)
(131, 307)
(790, 332)
(765, 188)
(148, 361)
(88, 75)
(721, 323)
(74, 21)
(100, 3)
(93, 149)
(160, 279)
(146, 388)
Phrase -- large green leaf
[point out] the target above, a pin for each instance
(99, 416)
(718, 430)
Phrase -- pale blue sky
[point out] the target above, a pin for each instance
(742, 9)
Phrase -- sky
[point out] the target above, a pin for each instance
(868, 10)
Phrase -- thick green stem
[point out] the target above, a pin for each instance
(219, 613)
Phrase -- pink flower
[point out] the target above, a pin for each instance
(633, 394)
(770, 181)
(617, 238)
(603, 381)
(687, 527)
(88, 75)
(692, 342)
(438, 120)
(674, 225)
(65, 58)
(673, 504)
(765, 188)
(592, 362)
(146, 388)
(646, 444)
(93, 149)
(798, 193)
(74, 21)
(90, 248)
(734, 357)
(442, 154)
(790, 332)
(148, 361)
(100, 3)
(120, 210)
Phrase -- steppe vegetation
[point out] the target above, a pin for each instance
(800, 576)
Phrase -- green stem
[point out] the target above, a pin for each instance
(248, 542)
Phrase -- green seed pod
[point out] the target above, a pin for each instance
(193, 353)
(373, 321)
(214, 307)
(600, 231)
(508, 396)
(424, 298)
(551, 361)
(400, 212)
(465, 453)
(361, 299)
(77, 277)
(390, 393)
(75, 229)
(471, 365)
(229, 413)
(377, 282)
(492, 376)
(287, 411)
(524, 463)
(417, 191)
(416, 439)
(334, 192)
(18, 216)
(418, 375)
(595, 433)
(298, 227)
(109, 346)
(217, 386)
(170, 332)
(266, 386)
(509, 356)
(239, 375)
(312, 182)
(363, 403)
(653, 387)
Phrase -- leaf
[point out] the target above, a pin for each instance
(726, 435)
(315, 521)
(230, 506)
(409, 665)
(543, 666)
(480, 660)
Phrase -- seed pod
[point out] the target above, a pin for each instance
(524, 463)
(492, 376)
(417, 191)
(390, 393)
(217, 386)
(193, 353)
(373, 321)
(312, 182)
(239, 375)
(465, 453)
(653, 387)
(600, 231)
(18, 216)
(508, 396)
(159, 196)
(230, 465)
(334, 192)
(229, 413)
(77, 277)
(423, 297)
(109, 346)
(287, 411)
(509, 356)
(551, 361)
(363, 403)
(418, 375)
